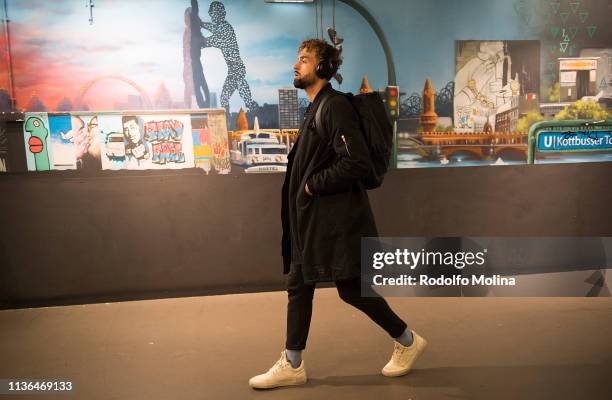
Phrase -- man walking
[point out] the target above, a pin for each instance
(325, 212)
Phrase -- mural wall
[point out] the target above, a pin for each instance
(114, 141)
(139, 141)
(494, 69)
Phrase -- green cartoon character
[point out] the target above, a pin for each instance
(37, 142)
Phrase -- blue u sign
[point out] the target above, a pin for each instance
(575, 141)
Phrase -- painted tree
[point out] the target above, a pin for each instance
(583, 109)
(554, 93)
(525, 122)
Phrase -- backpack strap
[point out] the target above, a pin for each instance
(317, 119)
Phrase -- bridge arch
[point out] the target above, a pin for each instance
(450, 152)
(85, 88)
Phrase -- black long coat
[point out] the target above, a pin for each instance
(323, 232)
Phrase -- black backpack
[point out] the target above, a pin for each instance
(377, 132)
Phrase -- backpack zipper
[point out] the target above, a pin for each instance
(345, 145)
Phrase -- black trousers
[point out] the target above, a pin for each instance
(299, 309)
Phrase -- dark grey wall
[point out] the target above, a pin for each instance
(67, 237)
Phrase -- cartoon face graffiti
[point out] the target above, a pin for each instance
(39, 134)
(37, 142)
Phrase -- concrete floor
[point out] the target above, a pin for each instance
(208, 347)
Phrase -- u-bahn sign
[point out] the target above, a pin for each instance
(569, 136)
(572, 141)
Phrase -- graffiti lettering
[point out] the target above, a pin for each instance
(219, 150)
(162, 131)
(588, 133)
(166, 152)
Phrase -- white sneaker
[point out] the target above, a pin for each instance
(404, 357)
(281, 374)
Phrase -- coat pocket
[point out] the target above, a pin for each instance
(329, 213)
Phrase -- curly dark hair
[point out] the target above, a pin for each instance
(324, 51)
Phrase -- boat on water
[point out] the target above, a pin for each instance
(260, 152)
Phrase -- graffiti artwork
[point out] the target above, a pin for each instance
(496, 81)
(62, 141)
(210, 144)
(146, 142)
(85, 129)
(165, 140)
(36, 135)
(112, 142)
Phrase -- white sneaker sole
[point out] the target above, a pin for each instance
(272, 386)
(404, 372)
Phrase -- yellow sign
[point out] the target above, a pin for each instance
(577, 64)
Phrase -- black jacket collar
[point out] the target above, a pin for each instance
(324, 90)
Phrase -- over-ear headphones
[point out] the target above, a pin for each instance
(325, 68)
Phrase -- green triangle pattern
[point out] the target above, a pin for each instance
(591, 30)
(522, 12)
(564, 16)
(563, 46)
(574, 6)
(573, 31)
(554, 30)
(583, 16)
(603, 84)
(551, 65)
(565, 37)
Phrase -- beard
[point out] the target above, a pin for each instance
(304, 81)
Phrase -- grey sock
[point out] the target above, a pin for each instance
(405, 339)
(294, 357)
